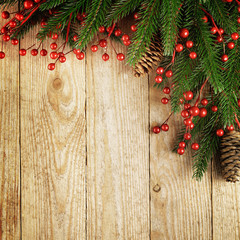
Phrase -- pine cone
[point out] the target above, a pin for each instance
(230, 156)
(153, 55)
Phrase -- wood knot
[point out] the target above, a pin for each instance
(156, 188)
(57, 84)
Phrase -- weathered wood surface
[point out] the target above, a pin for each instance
(79, 160)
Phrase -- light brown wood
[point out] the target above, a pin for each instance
(180, 206)
(53, 147)
(118, 150)
(9, 143)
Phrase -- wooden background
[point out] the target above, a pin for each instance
(79, 161)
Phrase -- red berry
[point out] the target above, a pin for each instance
(12, 24)
(127, 43)
(4, 30)
(53, 46)
(239, 9)
(80, 56)
(166, 90)
(105, 57)
(239, 102)
(120, 56)
(19, 16)
(14, 41)
(230, 128)
(6, 38)
(125, 37)
(184, 33)
(134, 28)
(185, 113)
(160, 70)
(213, 30)
(180, 151)
(5, 15)
(187, 121)
(28, 4)
(235, 36)
(192, 55)
(61, 54)
(188, 95)
(169, 73)
(219, 39)
(2, 55)
(191, 126)
(158, 79)
(214, 108)
(165, 127)
(43, 24)
(43, 52)
(156, 129)
(187, 105)
(187, 136)
(109, 29)
(103, 43)
(76, 51)
(164, 100)
(101, 29)
(195, 146)
(94, 48)
(179, 47)
(205, 19)
(220, 132)
(118, 32)
(203, 112)
(22, 52)
(221, 30)
(238, 20)
(34, 52)
(53, 55)
(204, 102)
(136, 15)
(181, 100)
(189, 44)
(194, 111)
(51, 66)
(62, 59)
(182, 145)
(75, 38)
(224, 58)
(54, 36)
(37, 1)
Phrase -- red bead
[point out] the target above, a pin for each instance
(54, 36)
(134, 28)
(51, 66)
(105, 57)
(109, 29)
(235, 36)
(75, 38)
(165, 127)
(238, 20)
(205, 19)
(101, 29)
(191, 126)
(22, 52)
(94, 48)
(192, 55)
(2, 55)
(125, 37)
(61, 54)
(184, 33)
(214, 108)
(213, 30)
(179, 47)
(169, 73)
(221, 30)
(53, 55)
(4, 30)
(76, 51)
(194, 111)
(53, 46)
(188, 95)
(230, 128)
(187, 136)
(160, 70)
(34, 52)
(37, 1)
(12, 24)
(43, 52)
(62, 59)
(182, 145)
(195, 146)
(120, 56)
(118, 32)
(185, 113)
(204, 102)
(80, 56)
(5, 15)
(136, 15)
(19, 16)
(15, 41)
(6, 38)
(28, 4)
(203, 112)
(187, 121)
(224, 58)
(156, 129)
(164, 100)
(187, 105)
(220, 132)
(127, 43)
(166, 90)
(219, 39)
(158, 79)
(189, 44)
(181, 151)
(103, 43)
(181, 100)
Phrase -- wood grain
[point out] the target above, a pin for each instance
(180, 206)
(53, 147)
(9, 143)
(117, 150)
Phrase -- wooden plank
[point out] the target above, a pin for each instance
(118, 150)
(226, 203)
(9, 142)
(180, 206)
(53, 147)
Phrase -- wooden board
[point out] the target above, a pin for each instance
(180, 206)
(9, 143)
(117, 150)
(53, 149)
